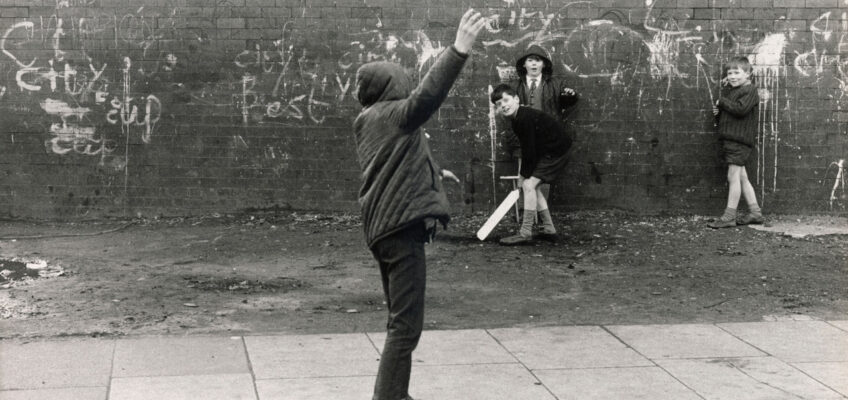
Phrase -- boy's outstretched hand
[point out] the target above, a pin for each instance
(469, 27)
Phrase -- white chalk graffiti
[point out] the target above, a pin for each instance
(839, 181)
(283, 83)
(69, 135)
(125, 112)
(45, 68)
(823, 33)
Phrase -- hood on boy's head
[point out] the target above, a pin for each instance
(381, 81)
(534, 50)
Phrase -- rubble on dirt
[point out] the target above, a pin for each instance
(312, 272)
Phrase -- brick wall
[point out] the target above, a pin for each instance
(182, 107)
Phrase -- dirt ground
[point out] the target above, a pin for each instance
(311, 273)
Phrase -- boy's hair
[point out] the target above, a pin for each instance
(500, 90)
(738, 62)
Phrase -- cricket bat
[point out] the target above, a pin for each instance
(498, 215)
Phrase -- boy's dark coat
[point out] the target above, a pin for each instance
(400, 179)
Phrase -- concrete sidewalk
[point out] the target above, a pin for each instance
(734, 361)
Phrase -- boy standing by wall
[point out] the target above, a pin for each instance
(544, 145)
(537, 88)
(737, 112)
(401, 194)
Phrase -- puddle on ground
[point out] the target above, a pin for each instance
(13, 271)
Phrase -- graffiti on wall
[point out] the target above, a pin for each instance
(639, 60)
(89, 78)
(837, 196)
(283, 82)
(70, 67)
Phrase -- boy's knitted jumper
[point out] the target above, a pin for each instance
(738, 116)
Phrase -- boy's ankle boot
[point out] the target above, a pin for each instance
(525, 232)
(547, 222)
(727, 220)
(754, 216)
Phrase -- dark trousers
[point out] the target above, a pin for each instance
(403, 270)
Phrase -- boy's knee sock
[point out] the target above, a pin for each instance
(547, 221)
(754, 209)
(729, 214)
(527, 223)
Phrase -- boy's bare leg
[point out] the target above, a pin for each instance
(728, 219)
(755, 215)
(734, 180)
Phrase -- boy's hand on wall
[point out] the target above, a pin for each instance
(469, 27)
(568, 92)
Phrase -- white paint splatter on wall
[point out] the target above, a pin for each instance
(839, 181)
(767, 63)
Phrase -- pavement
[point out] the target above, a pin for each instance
(781, 359)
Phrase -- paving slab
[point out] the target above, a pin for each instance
(476, 382)
(347, 387)
(567, 347)
(92, 393)
(683, 341)
(56, 363)
(794, 341)
(759, 378)
(472, 346)
(306, 356)
(631, 383)
(230, 387)
(840, 324)
(164, 356)
(832, 374)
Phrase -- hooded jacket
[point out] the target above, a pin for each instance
(400, 180)
(554, 102)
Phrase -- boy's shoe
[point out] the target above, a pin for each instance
(722, 223)
(516, 239)
(750, 219)
(550, 237)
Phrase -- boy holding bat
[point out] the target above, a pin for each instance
(544, 146)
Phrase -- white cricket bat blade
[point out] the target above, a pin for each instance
(498, 215)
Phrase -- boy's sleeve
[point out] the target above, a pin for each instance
(743, 104)
(567, 100)
(529, 158)
(433, 89)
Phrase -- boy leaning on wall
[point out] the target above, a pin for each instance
(737, 113)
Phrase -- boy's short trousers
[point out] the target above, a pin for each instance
(549, 167)
(735, 153)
